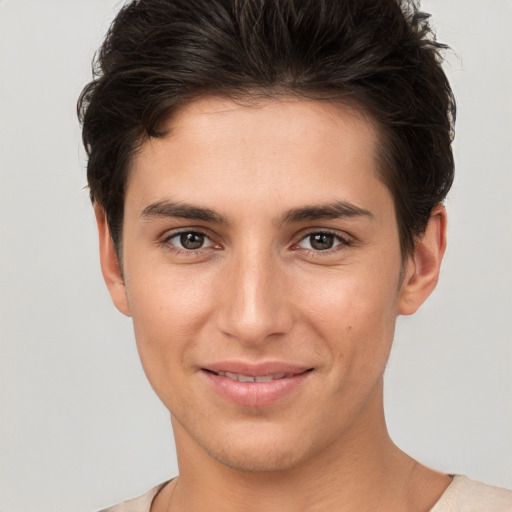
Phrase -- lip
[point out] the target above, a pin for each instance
(255, 394)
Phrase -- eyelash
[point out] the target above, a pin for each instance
(341, 242)
(167, 242)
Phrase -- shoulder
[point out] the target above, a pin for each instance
(140, 504)
(466, 495)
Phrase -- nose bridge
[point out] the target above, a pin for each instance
(254, 307)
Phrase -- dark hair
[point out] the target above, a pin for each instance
(379, 55)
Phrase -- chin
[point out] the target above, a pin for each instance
(257, 460)
(254, 446)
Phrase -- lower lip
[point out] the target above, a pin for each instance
(255, 394)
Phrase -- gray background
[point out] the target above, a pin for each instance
(79, 426)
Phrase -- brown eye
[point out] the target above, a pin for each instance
(191, 241)
(321, 241)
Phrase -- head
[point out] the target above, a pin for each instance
(268, 177)
(378, 56)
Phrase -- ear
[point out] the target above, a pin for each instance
(110, 264)
(423, 266)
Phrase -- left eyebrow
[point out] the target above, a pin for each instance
(336, 210)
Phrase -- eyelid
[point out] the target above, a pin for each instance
(168, 236)
(344, 239)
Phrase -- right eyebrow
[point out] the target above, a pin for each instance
(164, 209)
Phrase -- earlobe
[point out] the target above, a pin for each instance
(423, 266)
(110, 264)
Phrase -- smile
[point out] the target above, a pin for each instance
(256, 378)
(256, 387)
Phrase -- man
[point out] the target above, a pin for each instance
(268, 179)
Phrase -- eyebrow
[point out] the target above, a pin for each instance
(336, 210)
(166, 209)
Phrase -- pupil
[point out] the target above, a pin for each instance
(192, 240)
(322, 241)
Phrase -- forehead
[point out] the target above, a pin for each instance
(215, 142)
(279, 121)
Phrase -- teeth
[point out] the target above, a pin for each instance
(244, 378)
(248, 378)
(267, 378)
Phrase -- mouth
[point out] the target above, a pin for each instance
(239, 377)
(256, 386)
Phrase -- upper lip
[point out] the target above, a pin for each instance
(256, 369)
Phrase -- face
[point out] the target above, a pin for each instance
(262, 269)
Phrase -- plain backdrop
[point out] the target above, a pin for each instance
(79, 426)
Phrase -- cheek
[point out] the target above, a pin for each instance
(168, 302)
(355, 314)
(168, 311)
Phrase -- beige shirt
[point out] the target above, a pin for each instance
(462, 495)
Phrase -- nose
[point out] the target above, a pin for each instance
(254, 307)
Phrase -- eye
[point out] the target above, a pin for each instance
(189, 240)
(321, 241)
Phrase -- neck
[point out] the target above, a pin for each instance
(360, 471)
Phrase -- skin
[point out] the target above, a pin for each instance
(258, 289)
